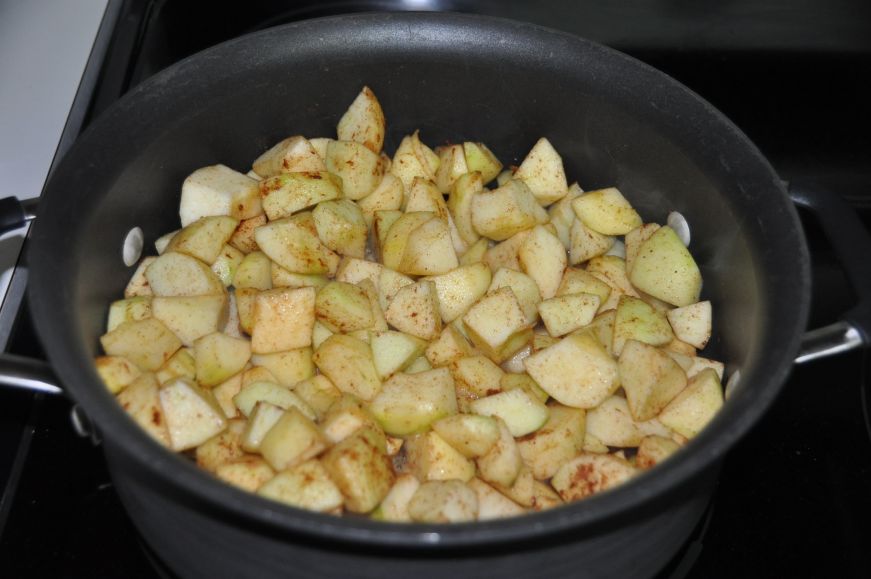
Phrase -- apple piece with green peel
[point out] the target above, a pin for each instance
(449, 501)
(567, 313)
(543, 258)
(471, 435)
(226, 263)
(128, 310)
(429, 250)
(430, 457)
(665, 269)
(275, 394)
(177, 274)
(502, 463)
(460, 288)
(141, 400)
(364, 121)
(341, 227)
(361, 469)
(248, 473)
(460, 204)
(292, 245)
(542, 171)
(281, 278)
(147, 343)
(576, 371)
(589, 474)
(500, 213)
(394, 507)
(559, 440)
(359, 169)
(116, 372)
(409, 403)
(292, 440)
(523, 382)
(288, 367)
(387, 196)
(349, 365)
(606, 211)
(288, 193)
(255, 271)
(650, 378)
(692, 323)
(481, 159)
(204, 238)
(576, 281)
(415, 310)
(218, 357)
(396, 239)
(695, 406)
(343, 307)
(192, 414)
(292, 155)
(393, 351)
(218, 190)
(638, 321)
(305, 486)
(521, 412)
(633, 240)
(319, 393)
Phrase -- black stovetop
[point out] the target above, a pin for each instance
(793, 499)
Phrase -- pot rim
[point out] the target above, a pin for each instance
(177, 474)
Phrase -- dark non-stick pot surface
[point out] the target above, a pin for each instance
(614, 120)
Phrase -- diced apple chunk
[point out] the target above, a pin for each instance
(589, 474)
(349, 365)
(259, 423)
(606, 211)
(275, 394)
(650, 378)
(177, 274)
(364, 121)
(293, 439)
(218, 190)
(692, 323)
(638, 321)
(494, 320)
(292, 155)
(287, 193)
(341, 227)
(491, 503)
(192, 414)
(409, 403)
(147, 343)
(470, 434)
(116, 372)
(503, 212)
(543, 258)
(653, 450)
(393, 351)
(291, 244)
(695, 406)
(249, 473)
(524, 287)
(283, 320)
(481, 159)
(443, 502)
(502, 463)
(665, 269)
(567, 313)
(141, 400)
(218, 356)
(204, 238)
(521, 412)
(415, 310)
(361, 469)
(461, 287)
(394, 507)
(429, 250)
(558, 441)
(542, 171)
(222, 448)
(430, 457)
(128, 310)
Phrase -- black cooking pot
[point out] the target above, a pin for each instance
(614, 120)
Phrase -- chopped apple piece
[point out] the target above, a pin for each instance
(292, 155)
(243, 238)
(449, 501)
(192, 414)
(222, 448)
(542, 171)
(494, 320)
(262, 418)
(249, 473)
(567, 313)
(128, 310)
(562, 215)
(449, 346)
(409, 403)
(525, 290)
(275, 394)
(650, 378)
(611, 424)
(343, 307)
(505, 254)
(480, 159)
(191, 317)
(475, 253)
(287, 193)
(606, 211)
(138, 284)
(255, 271)
(218, 357)
(341, 227)
(543, 258)
(461, 287)
(116, 372)
(502, 212)
(204, 238)
(521, 412)
(283, 320)
(394, 351)
(292, 245)
(415, 310)
(306, 486)
(638, 321)
(653, 450)
(692, 323)
(319, 393)
(394, 507)
(177, 274)
(695, 406)
(141, 400)
(224, 393)
(349, 365)
(589, 474)
(388, 195)
(633, 240)
(364, 121)
(218, 190)
(293, 439)
(361, 470)
(491, 503)
(430, 457)
(577, 371)
(502, 464)
(470, 434)
(425, 196)
(460, 204)
(665, 269)
(395, 241)
(585, 244)
(558, 441)
(147, 343)
(226, 263)
(288, 367)
(429, 250)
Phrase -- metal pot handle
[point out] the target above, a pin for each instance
(28, 374)
(14, 213)
(852, 245)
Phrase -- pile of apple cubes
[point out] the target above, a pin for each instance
(420, 386)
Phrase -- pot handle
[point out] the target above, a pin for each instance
(852, 244)
(28, 374)
(14, 213)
